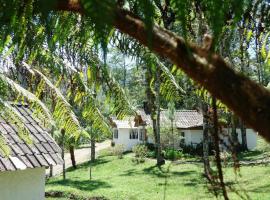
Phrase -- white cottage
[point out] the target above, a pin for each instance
(126, 133)
(22, 171)
(189, 123)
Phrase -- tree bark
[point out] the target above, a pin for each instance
(173, 139)
(63, 153)
(243, 136)
(153, 106)
(235, 142)
(72, 156)
(217, 150)
(93, 149)
(51, 171)
(206, 139)
(210, 70)
(160, 159)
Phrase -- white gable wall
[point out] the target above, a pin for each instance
(123, 139)
(28, 184)
(196, 136)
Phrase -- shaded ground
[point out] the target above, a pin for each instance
(121, 179)
(82, 155)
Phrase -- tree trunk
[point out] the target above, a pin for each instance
(51, 171)
(93, 149)
(206, 139)
(63, 153)
(173, 140)
(235, 142)
(217, 150)
(244, 136)
(153, 105)
(160, 159)
(72, 156)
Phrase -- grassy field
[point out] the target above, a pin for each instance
(122, 179)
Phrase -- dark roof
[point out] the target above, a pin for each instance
(183, 119)
(43, 151)
(188, 119)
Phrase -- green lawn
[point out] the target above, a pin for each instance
(121, 179)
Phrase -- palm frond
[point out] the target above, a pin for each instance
(41, 112)
(63, 113)
(12, 116)
(169, 88)
(4, 148)
(91, 113)
(116, 96)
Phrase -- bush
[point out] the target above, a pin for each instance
(118, 150)
(112, 143)
(140, 152)
(150, 146)
(172, 154)
(151, 154)
(196, 150)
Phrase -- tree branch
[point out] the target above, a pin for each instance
(245, 97)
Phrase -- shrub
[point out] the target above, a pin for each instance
(140, 152)
(118, 150)
(172, 154)
(151, 154)
(197, 149)
(150, 146)
(112, 143)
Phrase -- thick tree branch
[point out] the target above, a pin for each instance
(245, 97)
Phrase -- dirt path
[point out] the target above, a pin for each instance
(82, 155)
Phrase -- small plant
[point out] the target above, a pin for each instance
(172, 154)
(151, 154)
(118, 150)
(112, 143)
(140, 152)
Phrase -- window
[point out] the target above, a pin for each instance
(133, 134)
(115, 133)
(142, 134)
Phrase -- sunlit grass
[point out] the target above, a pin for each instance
(122, 179)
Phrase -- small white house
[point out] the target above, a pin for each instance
(22, 171)
(189, 124)
(126, 133)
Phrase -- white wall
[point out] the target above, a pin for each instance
(196, 136)
(251, 138)
(123, 138)
(26, 184)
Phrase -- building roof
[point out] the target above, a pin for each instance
(188, 119)
(43, 151)
(183, 119)
(124, 123)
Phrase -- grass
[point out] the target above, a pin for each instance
(121, 179)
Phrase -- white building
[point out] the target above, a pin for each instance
(22, 171)
(126, 133)
(189, 124)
